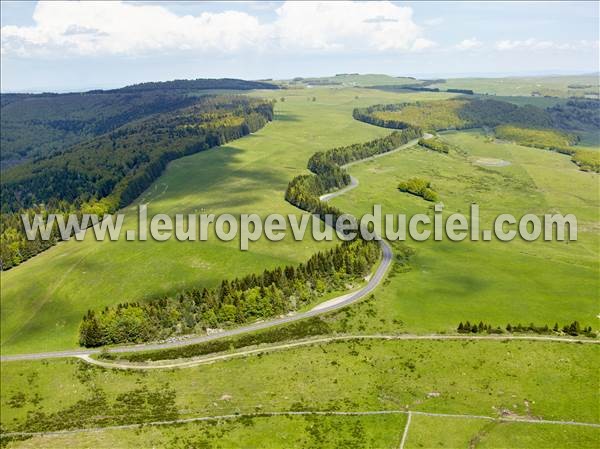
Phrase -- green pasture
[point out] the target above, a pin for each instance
(44, 299)
(275, 432)
(543, 282)
(522, 379)
(555, 86)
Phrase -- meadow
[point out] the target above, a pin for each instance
(498, 282)
(44, 299)
(519, 379)
(442, 284)
(309, 432)
(556, 86)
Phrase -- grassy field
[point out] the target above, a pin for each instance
(322, 432)
(520, 379)
(497, 282)
(438, 432)
(556, 86)
(448, 282)
(44, 299)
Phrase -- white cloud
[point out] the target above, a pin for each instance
(469, 44)
(434, 21)
(535, 44)
(109, 28)
(121, 28)
(350, 26)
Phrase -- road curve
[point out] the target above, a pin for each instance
(372, 283)
(353, 184)
(347, 299)
(361, 293)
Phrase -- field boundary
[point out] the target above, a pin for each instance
(208, 359)
(409, 413)
(405, 433)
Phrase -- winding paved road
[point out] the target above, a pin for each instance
(336, 303)
(353, 297)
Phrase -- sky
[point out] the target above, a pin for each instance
(73, 46)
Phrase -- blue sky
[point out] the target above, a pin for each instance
(83, 45)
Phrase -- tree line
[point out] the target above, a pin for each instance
(241, 300)
(304, 190)
(573, 329)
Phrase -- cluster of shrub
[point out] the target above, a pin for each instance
(435, 145)
(303, 191)
(272, 293)
(108, 172)
(419, 187)
(293, 331)
(574, 329)
(97, 408)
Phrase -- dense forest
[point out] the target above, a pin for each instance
(107, 172)
(577, 114)
(197, 84)
(37, 125)
(456, 113)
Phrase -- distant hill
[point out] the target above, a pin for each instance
(38, 125)
(197, 84)
(537, 86)
(355, 79)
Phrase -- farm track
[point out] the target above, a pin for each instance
(409, 413)
(208, 359)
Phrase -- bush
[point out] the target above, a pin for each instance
(419, 187)
(293, 331)
(435, 145)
